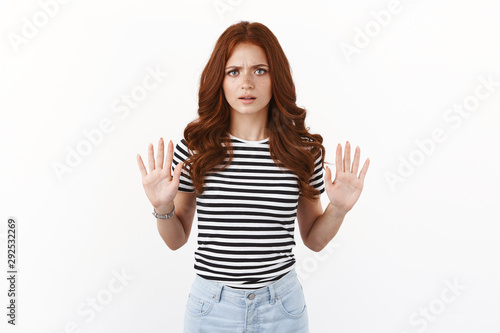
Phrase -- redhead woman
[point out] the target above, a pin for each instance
(249, 168)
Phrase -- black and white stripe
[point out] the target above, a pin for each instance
(246, 216)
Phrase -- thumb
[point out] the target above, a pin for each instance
(177, 174)
(328, 177)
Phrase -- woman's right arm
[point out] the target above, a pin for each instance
(175, 231)
(162, 191)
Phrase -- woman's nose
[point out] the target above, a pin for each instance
(247, 80)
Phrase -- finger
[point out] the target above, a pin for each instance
(151, 158)
(160, 153)
(338, 159)
(347, 157)
(364, 170)
(170, 156)
(328, 177)
(177, 175)
(355, 163)
(142, 167)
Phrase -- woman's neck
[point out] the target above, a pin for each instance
(249, 135)
(249, 127)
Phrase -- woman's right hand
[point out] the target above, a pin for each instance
(159, 185)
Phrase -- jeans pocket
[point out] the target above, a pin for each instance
(199, 304)
(292, 302)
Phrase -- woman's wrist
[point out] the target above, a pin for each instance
(336, 212)
(164, 209)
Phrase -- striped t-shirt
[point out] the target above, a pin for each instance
(246, 216)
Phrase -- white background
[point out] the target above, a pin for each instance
(398, 249)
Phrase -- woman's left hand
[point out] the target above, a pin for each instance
(347, 186)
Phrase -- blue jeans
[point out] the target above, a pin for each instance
(215, 308)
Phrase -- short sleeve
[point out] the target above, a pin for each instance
(181, 153)
(316, 179)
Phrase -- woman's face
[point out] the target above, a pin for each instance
(247, 75)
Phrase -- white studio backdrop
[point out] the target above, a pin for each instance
(416, 84)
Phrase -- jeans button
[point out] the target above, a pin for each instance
(251, 296)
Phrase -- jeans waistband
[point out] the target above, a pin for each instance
(220, 290)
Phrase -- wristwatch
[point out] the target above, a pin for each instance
(164, 217)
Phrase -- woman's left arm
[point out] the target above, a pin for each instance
(318, 228)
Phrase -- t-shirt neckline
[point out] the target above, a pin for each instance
(248, 141)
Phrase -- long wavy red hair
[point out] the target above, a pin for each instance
(290, 142)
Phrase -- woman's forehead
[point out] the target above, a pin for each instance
(250, 54)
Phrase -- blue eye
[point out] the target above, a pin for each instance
(236, 71)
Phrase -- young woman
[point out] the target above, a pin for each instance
(249, 167)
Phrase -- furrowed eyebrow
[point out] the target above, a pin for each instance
(254, 66)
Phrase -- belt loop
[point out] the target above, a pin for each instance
(218, 292)
(271, 294)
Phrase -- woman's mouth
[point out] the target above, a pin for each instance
(247, 100)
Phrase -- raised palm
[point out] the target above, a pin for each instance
(159, 185)
(345, 190)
